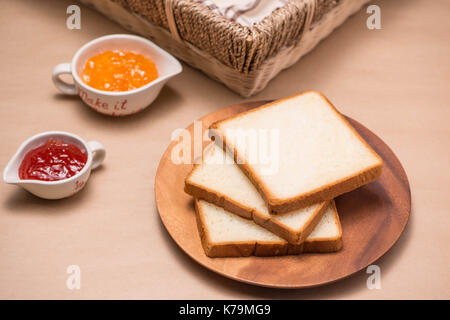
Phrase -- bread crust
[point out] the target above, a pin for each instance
(265, 248)
(324, 193)
(328, 244)
(219, 200)
(239, 248)
(292, 236)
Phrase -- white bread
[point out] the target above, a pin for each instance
(220, 181)
(320, 154)
(225, 234)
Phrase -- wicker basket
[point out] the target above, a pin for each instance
(243, 58)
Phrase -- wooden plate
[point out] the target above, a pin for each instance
(373, 217)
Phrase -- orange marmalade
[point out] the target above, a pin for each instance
(118, 70)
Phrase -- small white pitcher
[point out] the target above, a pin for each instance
(60, 188)
(123, 102)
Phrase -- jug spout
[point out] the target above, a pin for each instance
(11, 172)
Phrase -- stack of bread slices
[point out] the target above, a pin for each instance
(245, 209)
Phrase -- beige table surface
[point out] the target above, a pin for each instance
(394, 80)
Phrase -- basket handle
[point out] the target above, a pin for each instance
(310, 11)
(168, 5)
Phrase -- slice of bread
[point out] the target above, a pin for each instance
(220, 181)
(225, 234)
(317, 154)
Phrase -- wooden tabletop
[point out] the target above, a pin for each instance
(395, 81)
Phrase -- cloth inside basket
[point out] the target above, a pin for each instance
(244, 12)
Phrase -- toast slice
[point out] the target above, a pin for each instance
(317, 154)
(220, 181)
(224, 234)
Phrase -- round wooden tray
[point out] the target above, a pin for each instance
(373, 217)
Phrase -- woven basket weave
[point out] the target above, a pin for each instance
(243, 58)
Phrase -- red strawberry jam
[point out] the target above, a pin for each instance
(54, 160)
